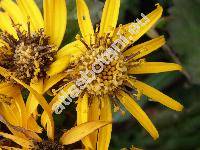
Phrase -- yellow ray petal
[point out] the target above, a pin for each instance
(77, 133)
(21, 108)
(31, 11)
(17, 111)
(23, 142)
(33, 126)
(156, 95)
(6, 24)
(39, 97)
(16, 108)
(104, 135)
(82, 117)
(9, 90)
(74, 50)
(49, 83)
(94, 115)
(32, 111)
(82, 109)
(145, 48)
(58, 66)
(138, 113)
(84, 21)
(32, 102)
(14, 12)
(37, 85)
(127, 29)
(9, 115)
(55, 18)
(153, 67)
(109, 17)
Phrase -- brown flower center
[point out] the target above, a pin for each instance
(27, 57)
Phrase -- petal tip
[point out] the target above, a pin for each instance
(181, 68)
(156, 137)
(159, 7)
(181, 107)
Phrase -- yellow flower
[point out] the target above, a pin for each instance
(28, 139)
(109, 86)
(29, 43)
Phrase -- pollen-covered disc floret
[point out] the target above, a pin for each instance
(112, 74)
(27, 56)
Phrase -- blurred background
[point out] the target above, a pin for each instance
(181, 26)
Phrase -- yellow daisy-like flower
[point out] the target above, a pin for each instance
(28, 139)
(29, 43)
(109, 85)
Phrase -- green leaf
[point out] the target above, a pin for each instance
(185, 35)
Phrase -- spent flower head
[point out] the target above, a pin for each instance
(29, 45)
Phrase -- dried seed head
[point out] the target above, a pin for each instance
(48, 145)
(29, 56)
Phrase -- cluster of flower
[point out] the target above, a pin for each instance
(96, 68)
